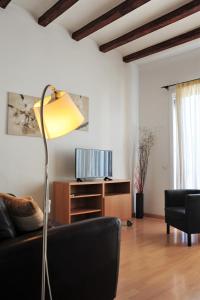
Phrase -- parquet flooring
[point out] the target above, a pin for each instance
(154, 266)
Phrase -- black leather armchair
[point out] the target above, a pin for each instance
(182, 211)
(83, 262)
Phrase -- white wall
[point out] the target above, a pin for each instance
(154, 113)
(33, 56)
(132, 115)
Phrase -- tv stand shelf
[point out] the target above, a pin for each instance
(75, 201)
(85, 195)
(75, 212)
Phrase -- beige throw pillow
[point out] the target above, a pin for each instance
(24, 211)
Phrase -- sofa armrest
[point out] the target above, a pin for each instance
(83, 262)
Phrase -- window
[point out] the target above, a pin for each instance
(186, 135)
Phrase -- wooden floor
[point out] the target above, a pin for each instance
(156, 266)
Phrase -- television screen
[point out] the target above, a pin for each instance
(93, 163)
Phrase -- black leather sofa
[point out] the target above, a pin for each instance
(182, 211)
(83, 262)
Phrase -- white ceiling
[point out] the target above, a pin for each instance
(85, 11)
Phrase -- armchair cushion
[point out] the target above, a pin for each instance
(6, 227)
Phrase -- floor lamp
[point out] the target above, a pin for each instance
(56, 115)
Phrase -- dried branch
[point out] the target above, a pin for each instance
(146, 142)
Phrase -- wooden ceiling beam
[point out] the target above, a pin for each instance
(4, 3)
(172, 17)
(176, 41)
(107, 18)
(55, 11)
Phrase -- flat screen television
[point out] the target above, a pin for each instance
(93, 163)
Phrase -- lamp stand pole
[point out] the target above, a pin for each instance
(67, 120)
(46, 204)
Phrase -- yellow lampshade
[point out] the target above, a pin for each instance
(60, 115)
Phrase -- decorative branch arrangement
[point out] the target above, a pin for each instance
(146, 142)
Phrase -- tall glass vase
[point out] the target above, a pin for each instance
(139, 205)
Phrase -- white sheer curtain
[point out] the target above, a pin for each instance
(187, 135)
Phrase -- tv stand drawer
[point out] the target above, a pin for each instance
(118, 206)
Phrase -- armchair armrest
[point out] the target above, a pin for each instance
(175, 198)
(192, 204)
(193, 212)
(83, 262)
(178, 197)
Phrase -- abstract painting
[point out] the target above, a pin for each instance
(21, 117)
(82, 103)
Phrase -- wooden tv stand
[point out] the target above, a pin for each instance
(75, 201)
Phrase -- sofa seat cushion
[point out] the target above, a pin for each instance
(177, 212)
(7, 229)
